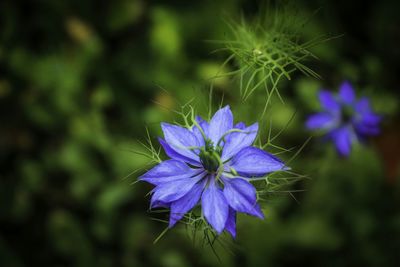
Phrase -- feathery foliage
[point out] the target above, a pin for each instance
(266, 50)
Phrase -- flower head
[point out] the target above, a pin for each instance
(344, 118)
(211, 163)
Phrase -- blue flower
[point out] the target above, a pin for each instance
(344, 118)
(210, 164)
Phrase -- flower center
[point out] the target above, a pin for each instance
(210, 157)
(347, 114)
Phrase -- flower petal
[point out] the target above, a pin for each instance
(242, 197)
(342, 140)
(174, 190)
(197, 132)
(368, 124)
(230, 225)
(167, 171)
(181, 140)
(240, 125)
(328, 101)
(181, 206)
(173, 154)
(363, 105)
(252, 161)
(221, 122)
(365, 130)
(160, 204)
(321, 121)
(346, 93)
(236, 141)
(370, 119)
(214, 206)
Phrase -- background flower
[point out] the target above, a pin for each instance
(344, 118)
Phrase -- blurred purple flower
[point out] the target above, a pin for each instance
(344, 118)
(212, 163)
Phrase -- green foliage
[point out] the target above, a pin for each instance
(267, 50)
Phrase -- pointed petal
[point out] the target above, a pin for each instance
(321, 121)
(328, 101)
(197, 132)
(366, 122)
(370, 119)
(365, 130)
(252, 161)
(160, 204)
(167, 171)
(221, 122)
(180, 139)
(230, 225)
(240, 125)
(242, 197)
(363, 105)
(346, 93)
(342, 140)
(368, 125)
(174, 190)
(236, 141)
(181, 206)
(214, 206)
(173, 154)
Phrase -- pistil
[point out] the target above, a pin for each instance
(210, 157)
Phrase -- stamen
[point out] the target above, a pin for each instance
(228, 132)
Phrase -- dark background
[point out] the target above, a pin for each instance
(81, 80)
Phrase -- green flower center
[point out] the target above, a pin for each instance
(210, 157)
(347, 113)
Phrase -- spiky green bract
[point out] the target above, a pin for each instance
(267, 50)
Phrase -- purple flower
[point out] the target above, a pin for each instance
(344, 118)
(211, 163)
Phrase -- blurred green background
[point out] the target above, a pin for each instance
(81, 80)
